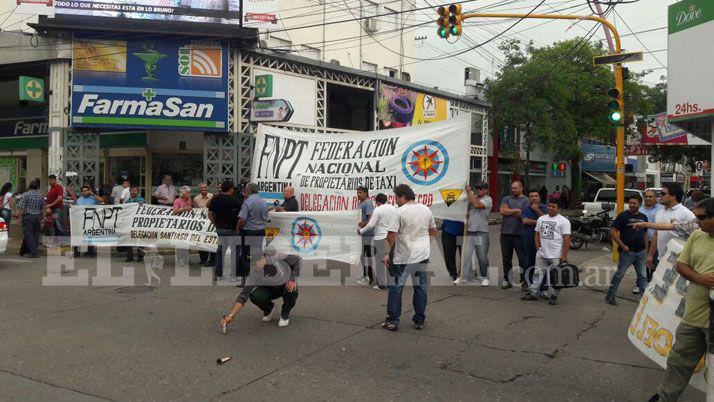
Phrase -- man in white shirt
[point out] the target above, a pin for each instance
(409, 234)
(379, 222)
(125, 191)
(673, 211)
(117, 191)
(552, 239)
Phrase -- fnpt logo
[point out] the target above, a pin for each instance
(425, 162)
(306, 235)
(200, 61)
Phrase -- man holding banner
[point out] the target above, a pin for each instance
(379, 222)
(696, 264)
(366, 208)
(251, 223)
(409, 237)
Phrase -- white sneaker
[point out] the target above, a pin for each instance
(376, 287)
(485, 282)
(636, 291)
(283, 322)
(363, 281)
(267, 318)
(457, 281)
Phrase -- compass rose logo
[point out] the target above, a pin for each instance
(425, 162)
(306, 235)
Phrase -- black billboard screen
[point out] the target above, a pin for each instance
(200, 11)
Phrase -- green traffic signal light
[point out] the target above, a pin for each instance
(615, 116)
(442, 32)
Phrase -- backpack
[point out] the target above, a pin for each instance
(564, 276)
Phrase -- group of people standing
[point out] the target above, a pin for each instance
(532, 229)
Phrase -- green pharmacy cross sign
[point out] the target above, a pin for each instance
(263, 86)
(32, 89)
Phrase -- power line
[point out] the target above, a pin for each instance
(638, 39)
(489, 40)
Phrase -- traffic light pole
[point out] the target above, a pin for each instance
(620, 164)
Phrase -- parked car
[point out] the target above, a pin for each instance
(607, 195)
(3, 236)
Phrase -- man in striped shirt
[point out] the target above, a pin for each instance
(29, 213)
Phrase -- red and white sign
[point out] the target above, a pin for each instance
(255, 17)
(261, 13)
(35, 7)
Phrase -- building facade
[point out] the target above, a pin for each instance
(39, 138)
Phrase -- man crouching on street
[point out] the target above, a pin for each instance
(274, 276)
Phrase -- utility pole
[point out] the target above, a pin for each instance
(451, 25)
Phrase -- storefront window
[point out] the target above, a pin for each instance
(184, 169)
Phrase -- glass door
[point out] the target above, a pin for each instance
(129, 167)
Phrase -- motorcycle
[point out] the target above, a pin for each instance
(591, 229)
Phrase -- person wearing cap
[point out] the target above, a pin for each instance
(274, 275)
(477, 233)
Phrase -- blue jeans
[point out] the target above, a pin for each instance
(638, 259)
(398, 275)
(227, 239)
(477, 242)
(541, 275)
(6, 215)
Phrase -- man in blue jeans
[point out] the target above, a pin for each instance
(530, 215)
(409, 237)
(633, 244)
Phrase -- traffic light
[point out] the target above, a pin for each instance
(614, 106)
(449, 21)
(455, 19)
(443, 22)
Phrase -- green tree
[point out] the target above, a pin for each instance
(554, 95)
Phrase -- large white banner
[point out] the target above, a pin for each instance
(317, 235)
(326, 169)
(654, 325)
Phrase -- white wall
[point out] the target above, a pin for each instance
(341, 39)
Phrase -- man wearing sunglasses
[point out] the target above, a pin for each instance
(695, 263)
(673, 212)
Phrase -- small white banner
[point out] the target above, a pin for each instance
(654, 325)
(317, 235)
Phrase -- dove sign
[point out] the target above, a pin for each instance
(688, 16)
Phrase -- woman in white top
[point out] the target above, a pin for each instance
(8, 203)
(379, 221)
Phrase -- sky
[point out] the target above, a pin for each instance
(447, 74)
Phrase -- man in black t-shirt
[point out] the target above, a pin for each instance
(633, 244)
(223, 212)
(289, 204)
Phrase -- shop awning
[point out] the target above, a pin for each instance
(603, 178)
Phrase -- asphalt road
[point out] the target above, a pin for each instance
(129, 343)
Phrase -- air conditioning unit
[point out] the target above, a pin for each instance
(371, 24)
